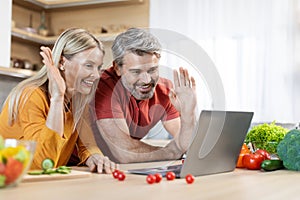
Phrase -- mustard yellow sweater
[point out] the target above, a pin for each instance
(31, 125)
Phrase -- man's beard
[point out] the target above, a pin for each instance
(135, 91)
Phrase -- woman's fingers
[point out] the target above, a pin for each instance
(101, 164)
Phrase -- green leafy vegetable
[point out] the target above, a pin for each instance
(288, 150)
(266, 136)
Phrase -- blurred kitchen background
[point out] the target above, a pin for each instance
(254, 44)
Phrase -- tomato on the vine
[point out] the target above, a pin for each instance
(264, 153)
(252, 161)
(170, 176)
(189, 179)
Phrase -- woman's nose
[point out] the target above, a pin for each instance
(96, 73)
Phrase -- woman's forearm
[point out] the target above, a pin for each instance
(55, 119)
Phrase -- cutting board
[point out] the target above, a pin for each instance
(49, 177)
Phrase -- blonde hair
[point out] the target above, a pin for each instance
(69, 43)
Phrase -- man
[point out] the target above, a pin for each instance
(131, 98)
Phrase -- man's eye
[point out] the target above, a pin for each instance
(89, 65)
(153, 70)
(135, 72)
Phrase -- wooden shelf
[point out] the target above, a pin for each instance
(14, 72)
(38, 39)
(32, 37)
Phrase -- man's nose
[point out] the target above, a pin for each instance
(145, 77)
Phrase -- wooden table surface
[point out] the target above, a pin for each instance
(240, 184)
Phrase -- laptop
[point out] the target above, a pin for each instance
(215, 147)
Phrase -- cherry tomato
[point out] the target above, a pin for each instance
(252, 161)
(170, 176)
(189, 179)
(121, 176)
(158, 178)
(264, 153)
(115, 174)
(151, 179)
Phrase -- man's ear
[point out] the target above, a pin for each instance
(116, 68)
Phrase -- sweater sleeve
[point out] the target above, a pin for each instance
(32, 117)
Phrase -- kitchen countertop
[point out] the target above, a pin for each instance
(240, 184)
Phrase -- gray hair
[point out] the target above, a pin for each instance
(137, 41)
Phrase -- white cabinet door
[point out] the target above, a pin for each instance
(5, 32)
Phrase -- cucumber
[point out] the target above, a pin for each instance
(271, 165)
(47, 164)
(35, 172)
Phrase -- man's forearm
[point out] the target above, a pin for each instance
(145, 153)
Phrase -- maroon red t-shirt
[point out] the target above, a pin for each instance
(113, 100)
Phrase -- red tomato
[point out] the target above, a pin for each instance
(2, 168)
(13, 170)
(151, 179)
(252, 161)
(121, 176)
(264, 153)
(115, 174)
(158, 178)
(189, 179)
(170, 176)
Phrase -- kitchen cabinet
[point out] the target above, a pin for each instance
(93, 17)
(49, 40)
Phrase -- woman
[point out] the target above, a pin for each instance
(49, 107)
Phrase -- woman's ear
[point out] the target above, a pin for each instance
(62, 63)
(116, 68)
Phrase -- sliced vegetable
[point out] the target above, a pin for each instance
(271, 165)
(47, 164)
(48, 168)
(35, 172)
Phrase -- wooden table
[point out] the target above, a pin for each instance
(240, 184)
